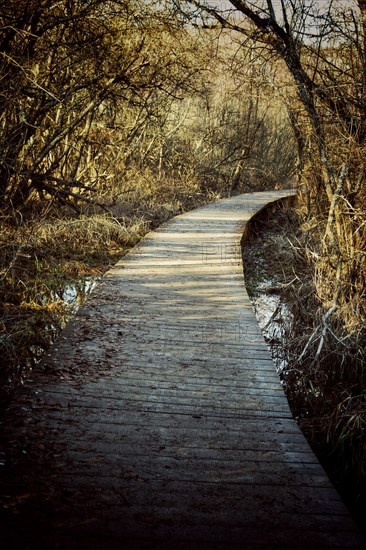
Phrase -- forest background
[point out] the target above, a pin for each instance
(117, 115)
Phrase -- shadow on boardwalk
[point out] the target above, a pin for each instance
(158, 420)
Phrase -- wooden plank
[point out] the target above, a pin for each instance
(158, 419)
(154, 390)
(273, 428)
(166, 437)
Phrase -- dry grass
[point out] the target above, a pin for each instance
(99, 229)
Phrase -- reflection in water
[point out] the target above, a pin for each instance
(38, 332)
(71, 296)
(274, 318)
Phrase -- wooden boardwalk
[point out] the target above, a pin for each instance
(158, 420)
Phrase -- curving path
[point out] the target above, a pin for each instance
(158, 420)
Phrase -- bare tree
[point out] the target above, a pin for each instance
(66, 67)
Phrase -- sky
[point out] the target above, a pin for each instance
(311, 22)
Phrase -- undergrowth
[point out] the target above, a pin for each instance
(324, 375)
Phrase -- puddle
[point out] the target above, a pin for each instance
(273, 314)
(275, 320)
(72, 295)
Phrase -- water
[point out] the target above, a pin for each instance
(71, 296)
(274, 318)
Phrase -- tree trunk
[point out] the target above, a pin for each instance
(362, 6)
